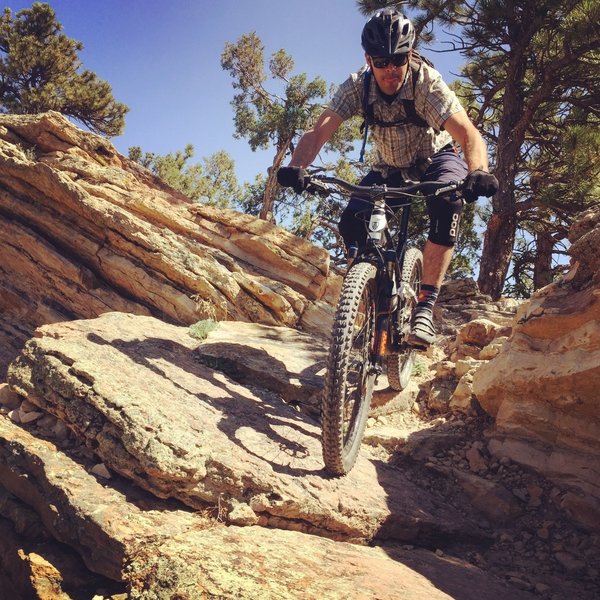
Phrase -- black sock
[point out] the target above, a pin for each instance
(427, 296)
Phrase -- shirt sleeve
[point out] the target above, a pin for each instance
(434, 100)
(347, 100)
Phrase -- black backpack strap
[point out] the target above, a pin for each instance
(367, 112)
(409, 105)
(367, 108)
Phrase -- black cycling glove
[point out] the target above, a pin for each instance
(293, 177)
(479, 183)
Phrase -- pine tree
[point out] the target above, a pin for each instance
(40, 71)
(211, 182)
(266, 118)
(529, 63)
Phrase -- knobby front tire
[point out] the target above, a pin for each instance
(349, 380)
(400, 365)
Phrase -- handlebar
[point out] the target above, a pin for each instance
(325, 185)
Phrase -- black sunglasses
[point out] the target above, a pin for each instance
(398, 60)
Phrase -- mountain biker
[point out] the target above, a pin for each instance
(408, 147)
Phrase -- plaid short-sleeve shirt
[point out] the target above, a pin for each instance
(401, 146)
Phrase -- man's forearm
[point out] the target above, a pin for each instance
(306, 150)
(460, 127)
(475, 152)
(312, 141)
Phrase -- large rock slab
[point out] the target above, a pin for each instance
(286, 565)
(84, 230)
(161, 550)
(136, 392)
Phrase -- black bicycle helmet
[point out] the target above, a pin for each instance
(386, 33)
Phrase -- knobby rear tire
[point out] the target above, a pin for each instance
(400, 365)
(349, 380)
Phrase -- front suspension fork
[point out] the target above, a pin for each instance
(387, 304)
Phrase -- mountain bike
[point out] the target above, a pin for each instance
(373, 316)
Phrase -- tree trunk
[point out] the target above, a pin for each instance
(266, 211)
(497, 252)
(543, 273)
(501, 231)
(499, 238)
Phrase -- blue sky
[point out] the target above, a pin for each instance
(162, 59)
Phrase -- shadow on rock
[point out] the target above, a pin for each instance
(254, 417)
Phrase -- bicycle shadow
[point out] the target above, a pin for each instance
(254, 367)
(252, 412)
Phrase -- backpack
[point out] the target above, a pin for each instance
(409, 105)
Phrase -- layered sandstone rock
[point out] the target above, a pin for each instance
(83, 231)
(186, 472)
(165, 410)
(542, 388)
(160, 550)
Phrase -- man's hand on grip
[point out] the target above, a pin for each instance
(293, 177)
(479, 183)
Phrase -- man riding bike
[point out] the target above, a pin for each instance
(415, 118)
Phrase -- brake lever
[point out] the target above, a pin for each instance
(314, 186)
(453, 187)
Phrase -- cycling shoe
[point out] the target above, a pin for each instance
(422, 333)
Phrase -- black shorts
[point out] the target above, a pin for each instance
(444, 211)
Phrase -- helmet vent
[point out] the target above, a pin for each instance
(387, 33)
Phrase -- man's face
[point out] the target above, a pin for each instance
(389, 76)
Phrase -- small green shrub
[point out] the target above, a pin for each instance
(201, 329)
(420, 367)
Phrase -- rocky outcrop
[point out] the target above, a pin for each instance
(141, 394)
(142, 458)
(139, 459)
(542, 388)
(169, 467)
(460, 302)
(83, 231)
